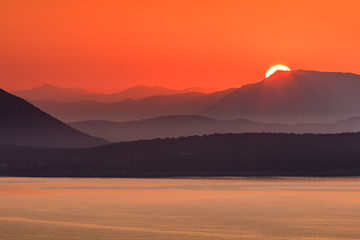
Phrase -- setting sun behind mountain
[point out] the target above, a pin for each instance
(275, 68)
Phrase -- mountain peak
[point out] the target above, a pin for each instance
(48, 85)
(293, 96)
(280, 74)
(141, 86)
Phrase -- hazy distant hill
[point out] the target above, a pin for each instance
(214, 155)
(48, 92)
(23, 124)
(188, 125)
(176, 104)
(296, 96)
(171, 126)
(142, 91)
(342, 126)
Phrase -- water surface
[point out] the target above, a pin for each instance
(218, 208)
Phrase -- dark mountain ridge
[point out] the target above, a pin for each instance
(214, 155)
(23, 124)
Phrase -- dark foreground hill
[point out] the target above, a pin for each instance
(213, 155)
(23, 124)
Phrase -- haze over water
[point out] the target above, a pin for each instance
(227, 208)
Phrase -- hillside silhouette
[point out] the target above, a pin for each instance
(214, 155)
(23, 124)
(293, 97)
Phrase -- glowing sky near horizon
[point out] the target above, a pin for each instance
(108, 45)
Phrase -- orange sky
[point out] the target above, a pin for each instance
(107, 45)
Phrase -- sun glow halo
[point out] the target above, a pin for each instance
(275, 68)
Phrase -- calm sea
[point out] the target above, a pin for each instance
(147, 209)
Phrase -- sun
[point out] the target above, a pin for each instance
(276, 68)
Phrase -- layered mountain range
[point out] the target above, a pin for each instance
(318, 99)
(285, 97)
(155, 106)
(48, 92)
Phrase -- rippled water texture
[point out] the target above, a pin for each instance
(226, 208)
